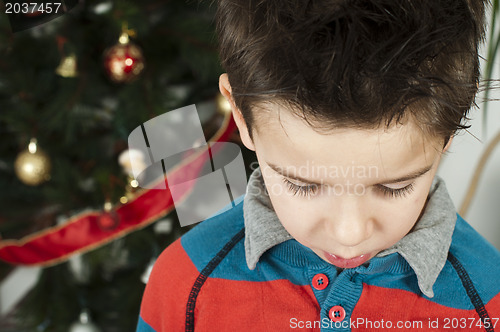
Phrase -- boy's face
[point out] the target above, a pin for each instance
(348, 194)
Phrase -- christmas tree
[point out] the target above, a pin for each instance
(72, 88)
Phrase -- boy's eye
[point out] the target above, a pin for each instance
(398, 192)
(306, 190)
(311, 189)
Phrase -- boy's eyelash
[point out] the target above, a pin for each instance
(311, 189)
(301, 190)
(401, 192)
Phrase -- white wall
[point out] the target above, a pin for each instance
(458, 166)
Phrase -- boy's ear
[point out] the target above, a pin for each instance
(448, 144)
(225, 90)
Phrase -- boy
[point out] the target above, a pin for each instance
(349, 106)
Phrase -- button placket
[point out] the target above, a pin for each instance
(344, 293)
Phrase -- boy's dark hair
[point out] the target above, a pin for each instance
(354, 63)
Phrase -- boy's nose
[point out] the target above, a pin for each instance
(348, 224)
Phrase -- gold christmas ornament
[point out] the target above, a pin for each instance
(67, 68)
(223, 105)
(32, 166)
(124, 61)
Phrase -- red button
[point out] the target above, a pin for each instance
(320, 281)
(337, 313)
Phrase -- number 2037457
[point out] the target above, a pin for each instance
(32, 8)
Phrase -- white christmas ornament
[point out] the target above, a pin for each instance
(163, 226)
(84, 324)
(147, 272)
(103, 7)
(132, 157)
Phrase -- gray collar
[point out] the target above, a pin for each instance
(425, 248)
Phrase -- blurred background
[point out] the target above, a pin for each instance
(72, 88)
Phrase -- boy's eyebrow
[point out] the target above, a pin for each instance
(413, 175)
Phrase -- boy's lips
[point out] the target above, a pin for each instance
(346, 263)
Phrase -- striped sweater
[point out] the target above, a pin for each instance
(202, 282)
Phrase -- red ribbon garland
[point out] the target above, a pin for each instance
(85, 232)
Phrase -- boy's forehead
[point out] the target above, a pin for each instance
(278, 121)
(288, 141)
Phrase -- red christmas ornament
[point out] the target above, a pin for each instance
(124, 61)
